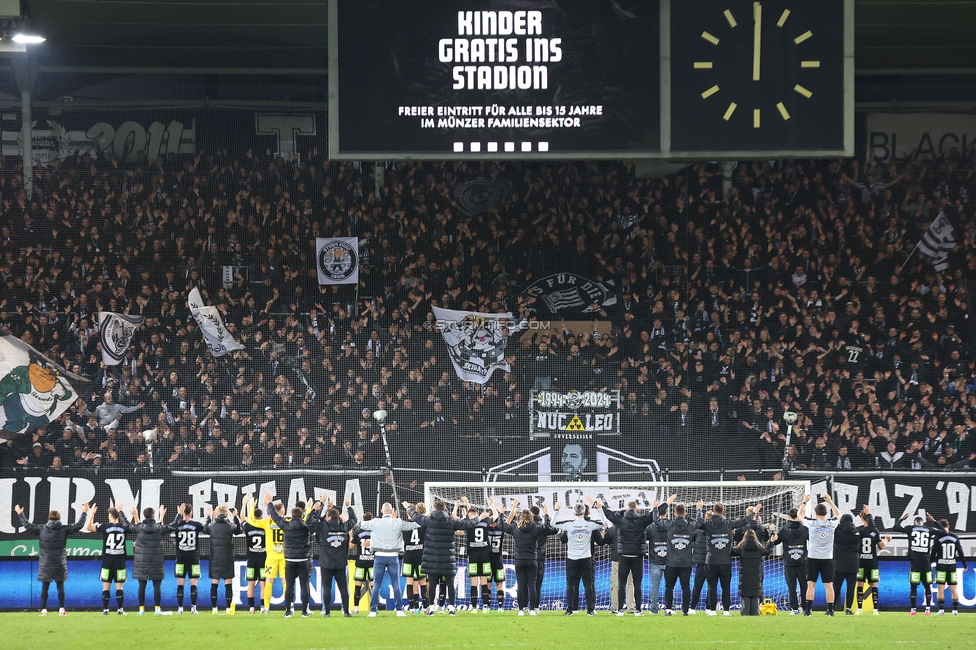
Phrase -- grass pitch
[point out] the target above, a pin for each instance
(552, 630)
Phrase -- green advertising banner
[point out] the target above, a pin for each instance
(76, 548)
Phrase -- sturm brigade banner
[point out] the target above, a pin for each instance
(476, 342)
(337, 260)
(116, 332)
(41, 492)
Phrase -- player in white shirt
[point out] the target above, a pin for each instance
(820, 554)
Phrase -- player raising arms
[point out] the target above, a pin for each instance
(222, 524)
(479, 558)
(821, 551)
(114, 555)
(332, 532)
(187, 555)
(274, 545)
(52, 563)
(495, 537)
(362, 553)
(920, 536)
(867, 571)
(946, 551)
(147, 557)
(413, 557)
(254, 537)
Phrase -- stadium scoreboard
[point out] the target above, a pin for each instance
(590, 79)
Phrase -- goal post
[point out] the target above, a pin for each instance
(776, 497)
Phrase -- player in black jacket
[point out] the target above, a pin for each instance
(187, 555)
(793, 535)
(526, 535)
(257, 552)
(52, 563)
(114, 555)
(630, 545)
(718, 531)
(867, 570)
(298, 555)
(946, 551)
(333, 538)
(920, 536)
(680, 533)
(222, 529)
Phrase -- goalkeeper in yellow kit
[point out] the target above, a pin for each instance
(275, 548)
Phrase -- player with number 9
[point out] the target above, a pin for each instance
(114, 555)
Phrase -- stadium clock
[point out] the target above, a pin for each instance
(757, 76)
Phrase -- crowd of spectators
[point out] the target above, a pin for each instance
(784, 293)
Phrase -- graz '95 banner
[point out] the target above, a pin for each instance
(574, 415)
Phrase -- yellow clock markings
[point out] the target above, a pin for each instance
(809, 64)
(711, 91)
(755, 118)
(711, 39)
(729, 17)
(782, 19)
(803, 91)
(756, 39)
(802, 37)
(728, 113)
(703, 65)
(782, 111)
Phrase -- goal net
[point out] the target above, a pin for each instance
(776, 499)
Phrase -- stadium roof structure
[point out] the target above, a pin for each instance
(905, 49)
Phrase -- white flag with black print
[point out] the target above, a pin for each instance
(938, 241)
(476, 342)
(211, 323)
(337, 260)
(116, 332)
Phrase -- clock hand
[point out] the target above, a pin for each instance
(756, 39)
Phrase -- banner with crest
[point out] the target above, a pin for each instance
(116, 332)
(476, 342)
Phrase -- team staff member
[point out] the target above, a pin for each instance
(920, 537)
(946, 551)
(387, 544)
(257, 556)
(657, 545)
(52, 561)
(630, 546)
(718, 561)
(793, 535)
(821, 551)
(611, 537)
(680, 533)
(847, 546)
(114, 555)
(333, 538)
(751, 552)
(579, 559)
(274, 543)
(147, 558)
(187, 555)
(526, 535)
(868, 558)
(222, 530)
(297, 548)
(699, 553)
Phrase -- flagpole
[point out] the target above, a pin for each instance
(909, 257)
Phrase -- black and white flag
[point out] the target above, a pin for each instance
(337, 260)
(938, 241)
(116, 332)
(476, 342)
(211, 323)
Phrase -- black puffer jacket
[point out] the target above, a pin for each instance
(630, 540)
(222, 531)
(333, 538)
(699, 548)
(527, 539)
(298, 537)
(52, 561)
(751, 553)
(147, 556)
(439, 557)
(847, 546)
